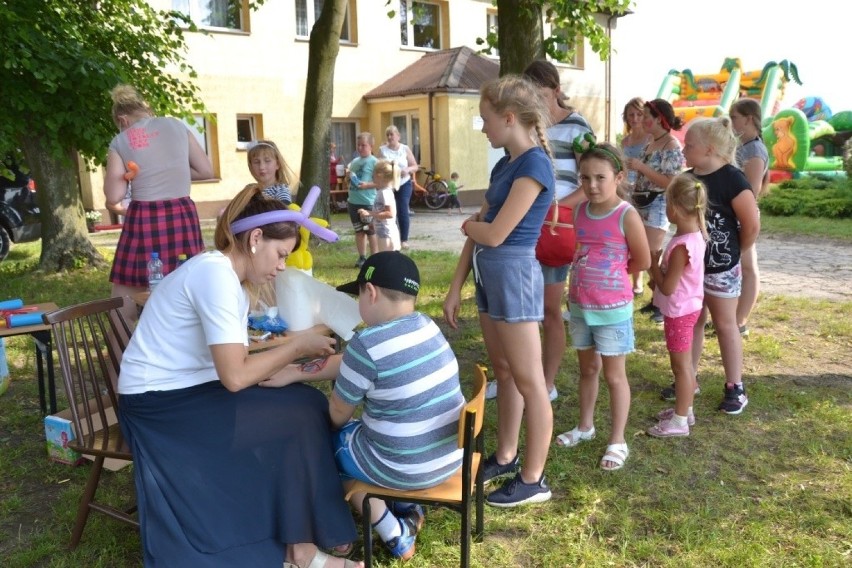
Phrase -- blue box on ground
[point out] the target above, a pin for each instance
(59, 432)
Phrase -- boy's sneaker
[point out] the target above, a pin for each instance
(360, 262)
(669, 412)
(667, 429)
(515, 492)
(408, 513)
(735, 400)
(403, 546)
(491, 469)
(668, 393)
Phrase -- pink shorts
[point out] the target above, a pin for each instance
(679, 332)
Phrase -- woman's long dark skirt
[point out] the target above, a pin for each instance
(228, 479)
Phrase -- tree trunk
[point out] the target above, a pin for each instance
(65, 241)
(319, 97)
(520, 36)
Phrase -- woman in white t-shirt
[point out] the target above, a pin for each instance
(402, 156)
(227, 473)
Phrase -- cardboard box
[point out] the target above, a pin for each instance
(59, 430)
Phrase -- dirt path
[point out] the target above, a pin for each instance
(802, 267)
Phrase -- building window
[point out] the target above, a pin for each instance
(408, 125)
(216, 14)
(205, 134)
(307, 12)
(491, 32)
(249, 129)
(420, 24)
(564, 44)
(343, 134)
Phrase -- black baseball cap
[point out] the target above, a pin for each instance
(389, 269)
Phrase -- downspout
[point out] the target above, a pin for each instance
(432, 164)
(608, 79)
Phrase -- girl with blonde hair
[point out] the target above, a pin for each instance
(500, 249)
(733, 225)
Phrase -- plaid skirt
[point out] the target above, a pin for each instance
(168, 227)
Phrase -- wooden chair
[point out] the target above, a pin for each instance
(90, 339)
(456, 493)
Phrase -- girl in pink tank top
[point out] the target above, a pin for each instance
(611, 245)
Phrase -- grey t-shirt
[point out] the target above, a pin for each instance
(160, 147)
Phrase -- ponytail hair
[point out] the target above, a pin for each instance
(126, 100)
(688, 193)
(544, 74)
(662, 109)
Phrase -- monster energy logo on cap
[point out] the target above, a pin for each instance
(390, 270)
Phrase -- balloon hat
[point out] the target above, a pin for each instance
(301, 217)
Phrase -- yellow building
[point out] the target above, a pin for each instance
(252, 67)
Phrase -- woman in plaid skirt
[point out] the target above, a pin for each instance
(162, 158)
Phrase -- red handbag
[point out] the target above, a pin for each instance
(555, 246)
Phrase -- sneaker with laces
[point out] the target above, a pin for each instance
(403, 546)
(669, 412)
(735, 400)
(491, 469)
(515, 492)
(409, 513)
(667, 429)
(668, 393)
(491, 392)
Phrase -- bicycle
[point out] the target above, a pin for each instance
(434, 192)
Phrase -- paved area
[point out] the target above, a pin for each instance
(801, 267)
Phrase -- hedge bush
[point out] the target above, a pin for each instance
(811, 197)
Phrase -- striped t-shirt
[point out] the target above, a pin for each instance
(561, 137)
(407, 377)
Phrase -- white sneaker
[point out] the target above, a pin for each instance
(491, 392)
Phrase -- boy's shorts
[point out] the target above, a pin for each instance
(654, 215)
(346, 466)
(555, 274)
(678, 331)
(509, 285)
(728, 284)
(612, 340)
(454, 201)
(358, 225)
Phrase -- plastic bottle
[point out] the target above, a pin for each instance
(181, 259)
(155, 271)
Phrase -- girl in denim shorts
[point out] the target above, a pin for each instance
(611, 245)
(733, 225)
(500, 249)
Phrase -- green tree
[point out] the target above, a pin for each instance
(59, 60)
(521, 40)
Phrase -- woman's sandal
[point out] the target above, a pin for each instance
(573, 437)
(617, 454)
(320, 560)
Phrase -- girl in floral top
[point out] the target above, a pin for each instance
(662, 161)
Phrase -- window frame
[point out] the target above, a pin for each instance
(407, 132)
(346, 148)
(244, 24)
(255, 122)
(406, 9)
(207, 138)
(491, 26)
(579, 54)
(311, 18)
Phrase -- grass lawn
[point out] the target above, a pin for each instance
(771, 487)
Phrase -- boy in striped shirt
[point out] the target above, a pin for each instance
(403, 373)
